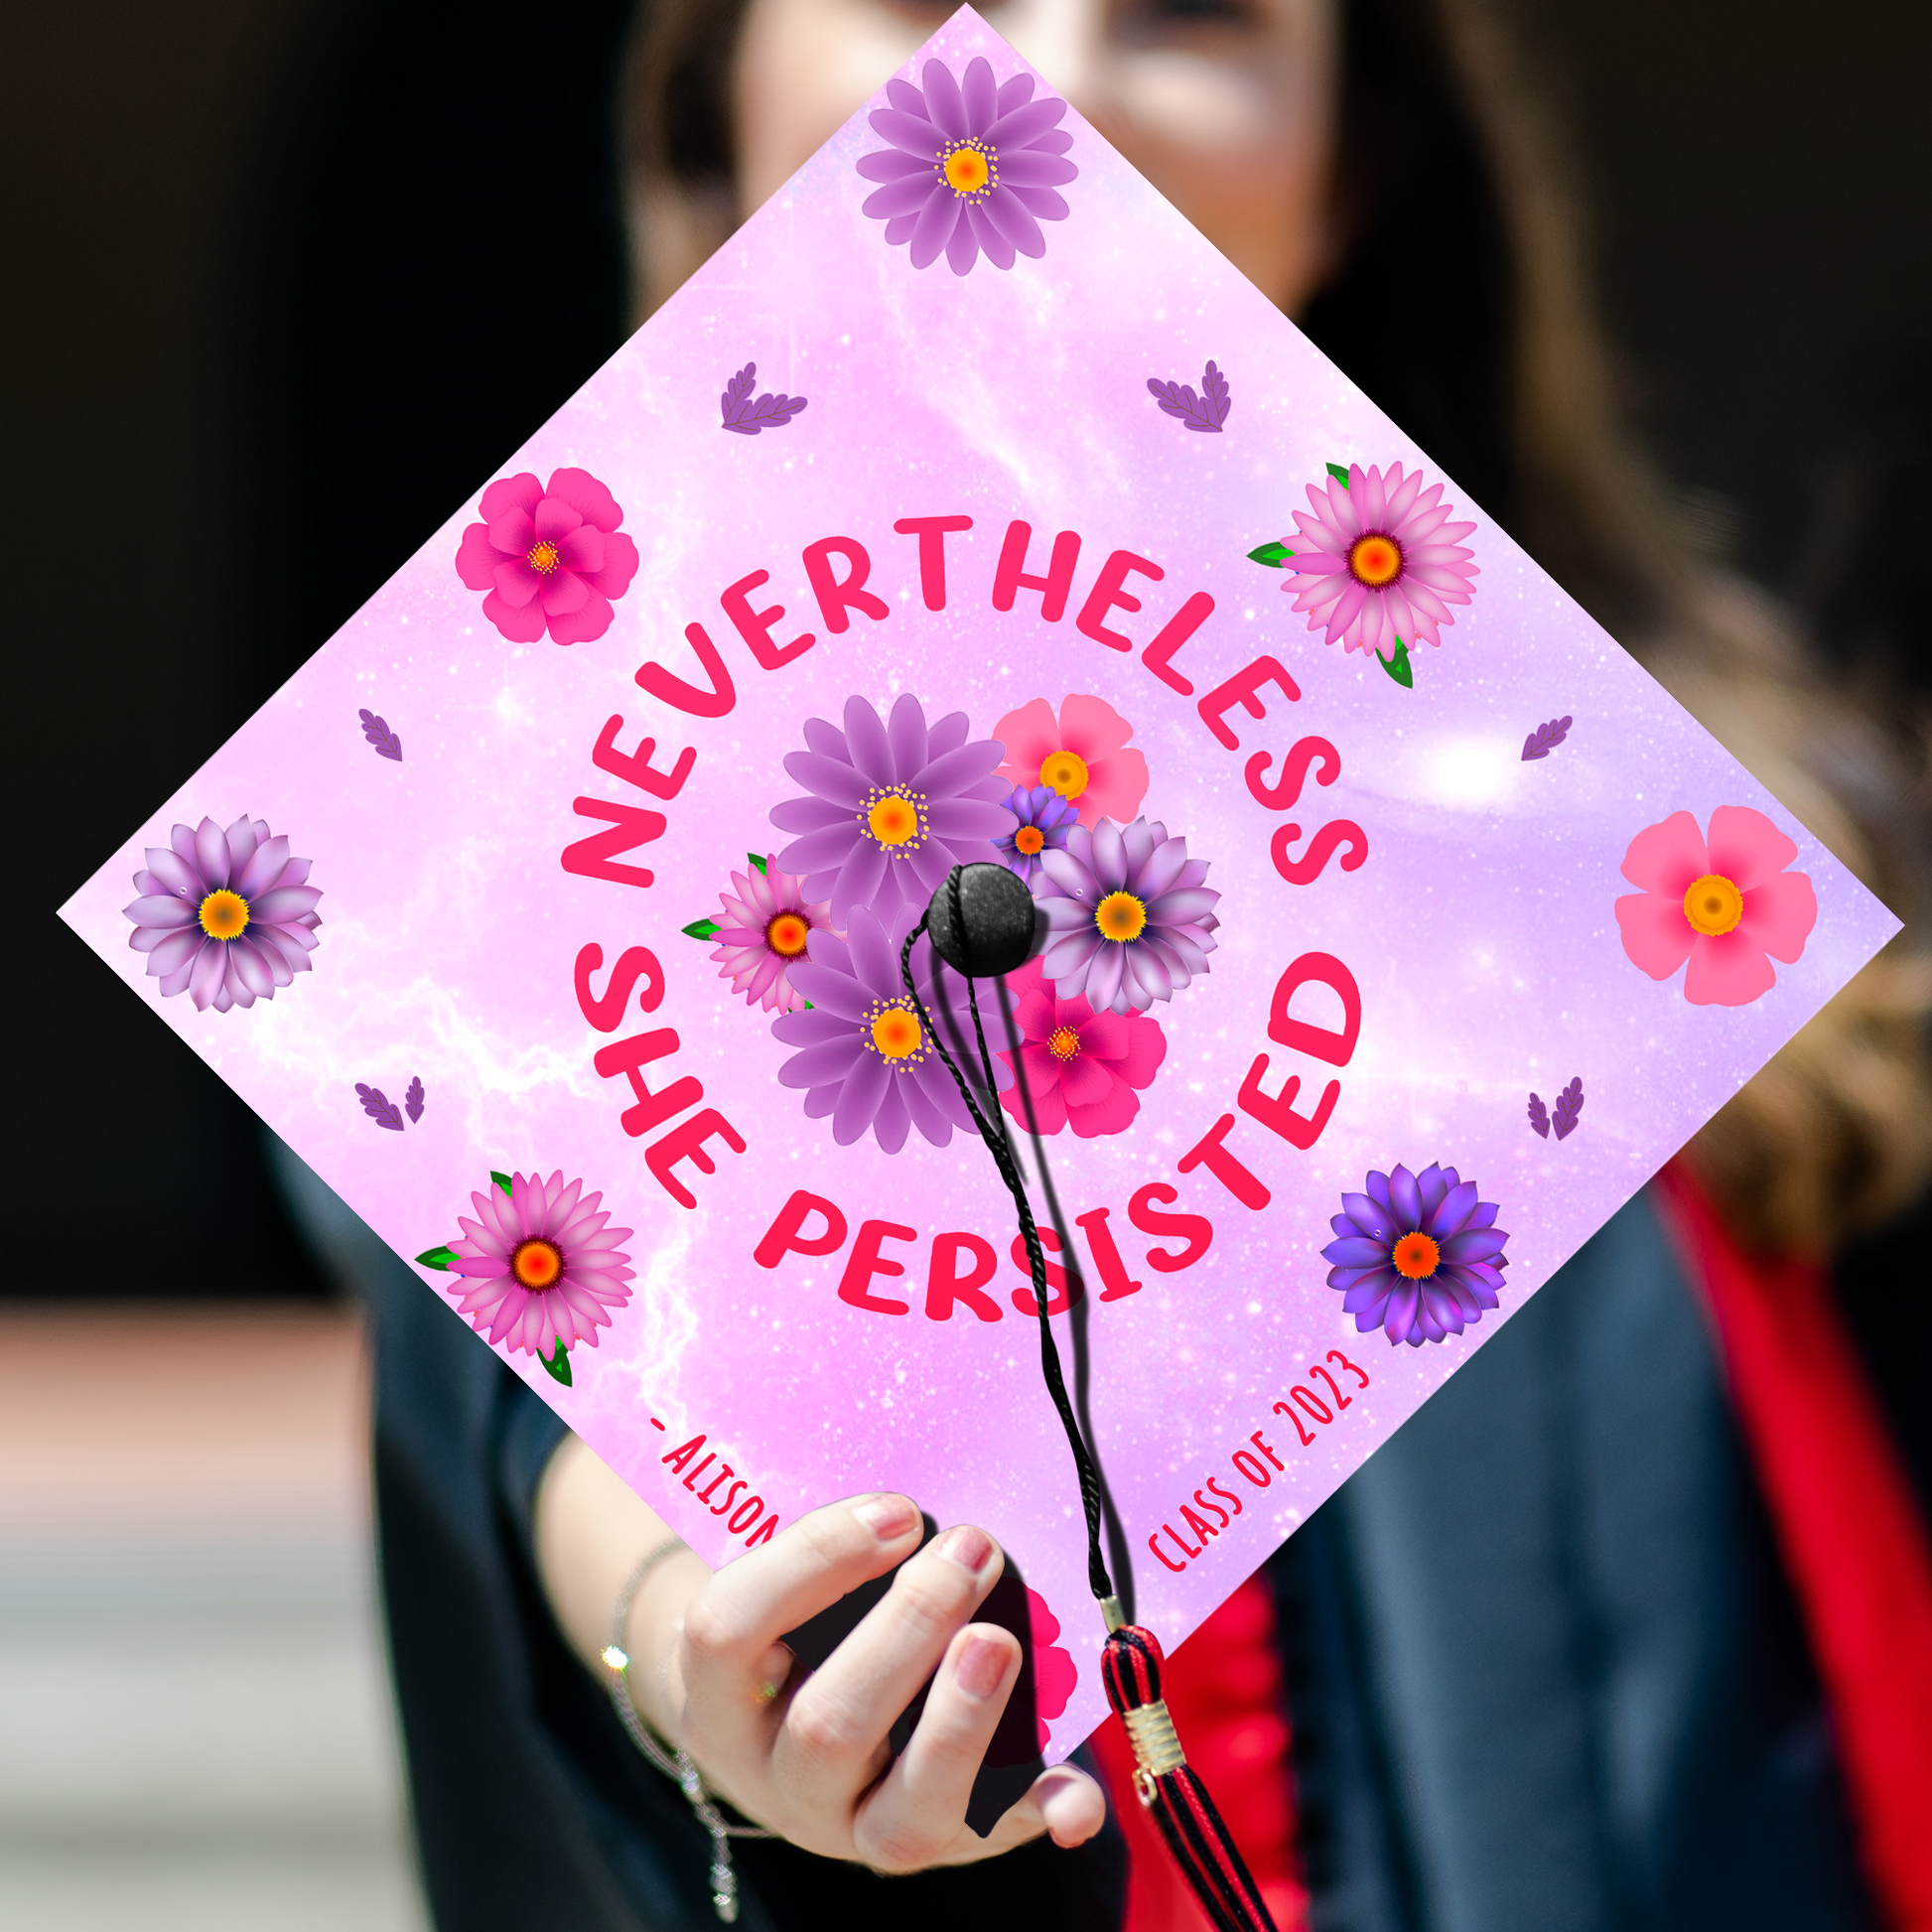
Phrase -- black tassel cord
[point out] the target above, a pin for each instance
(1131, 1659)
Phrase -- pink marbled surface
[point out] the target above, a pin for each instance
(1480, 927)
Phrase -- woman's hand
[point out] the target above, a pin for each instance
(804, 1753)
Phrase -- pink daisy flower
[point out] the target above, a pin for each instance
(550, 558)
(763, 933)
(1724, 903)
(1083, 1068)
(1054, 1671)
(1378, 563)
(541, 1268)
(1081, 754)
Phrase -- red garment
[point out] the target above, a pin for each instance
(1224, 1689)
(1852, 1539)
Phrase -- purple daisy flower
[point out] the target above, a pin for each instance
(1419, 1256)
(1130, 919)
(865, 1059)
(893, 807)
(1044, 818)
(541, 1264)
(764, 934)
(972, 164)
(225, 917)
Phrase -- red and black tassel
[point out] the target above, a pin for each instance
(1168, 1788)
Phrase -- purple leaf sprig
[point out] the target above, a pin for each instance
(412, 1101)
(1569, 1104)
(1206, 411)
(746, 416)
(379, 1108)
(1545, 737)
(376, 731)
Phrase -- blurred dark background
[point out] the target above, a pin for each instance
(195, 185)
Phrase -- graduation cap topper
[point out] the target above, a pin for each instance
(969, 508)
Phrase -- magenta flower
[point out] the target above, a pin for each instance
(764, 934)
(225, 917)
(1044, 819)
(1129, 917)
(892, 808)
(1418, 1256)
(541, 1268)
(1054, 1671)
(549, 558)
(1082, 1067)
(865, 1056)
(1081, 754)
(1725, 904)
(1379, 563)
(971, 166)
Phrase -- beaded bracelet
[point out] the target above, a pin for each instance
(675, 1765)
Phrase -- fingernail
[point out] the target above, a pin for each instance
(887, 1517)
(968, 1546)
(982, 1665)
(1066, 1807)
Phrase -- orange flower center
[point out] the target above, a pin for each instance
(1714, 904)
(967, 169)
(1121, 916)
(1064, 1043)
(1375, 560)
(543, 557)
(787, 934)
(1416, 1257)
(1028, 840)
(895, 1033)
(1064, 772)
(537, 1264)
(225, 914)
(893, 819)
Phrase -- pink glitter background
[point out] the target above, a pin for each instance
(1480, 927)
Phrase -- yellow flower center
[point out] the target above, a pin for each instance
(787, 934)
(1064, 1043)
(537, 1264)
(1416, 1257)
(967, 169)
(1375, 560)
(1714, 904)
(893, 819)
(543, 557)
(1120, 915)
(1029, 841)
(1064, 772)
(895, 1033)
(225, 914)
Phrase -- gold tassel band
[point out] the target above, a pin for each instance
(1156, 1750)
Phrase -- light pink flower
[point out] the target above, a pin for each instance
(1054, 1671)
(541, 1266)
(1080, 754)
(1378, 563)
(1724, 903)
(764, 934)
(1082, 1067)
(549, 558)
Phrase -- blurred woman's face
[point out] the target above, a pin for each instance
(1228, 106)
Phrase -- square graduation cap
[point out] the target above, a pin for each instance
(1024, 531)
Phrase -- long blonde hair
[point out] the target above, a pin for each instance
(1455, 184)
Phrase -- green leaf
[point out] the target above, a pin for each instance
(559, 1364)
(1398, 665)
(702, 929)
(1270, 554)
(436, 1257)
(759, 862)
(502, 1179)
(1339, 470)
